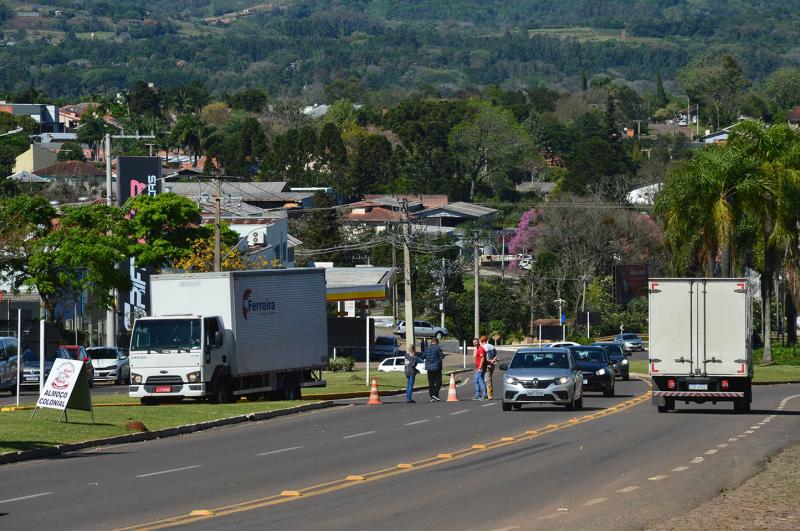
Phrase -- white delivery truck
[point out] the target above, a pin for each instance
(230, 334)
(701, 341)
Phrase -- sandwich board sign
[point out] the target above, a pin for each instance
(67, 387)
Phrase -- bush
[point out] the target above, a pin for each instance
(781, 355)
(342, 364)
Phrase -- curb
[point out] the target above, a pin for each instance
(51, 451)
(365, 394)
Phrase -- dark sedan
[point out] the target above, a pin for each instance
(598, 375)
(618, 358)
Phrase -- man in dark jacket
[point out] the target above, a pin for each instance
(433, 357)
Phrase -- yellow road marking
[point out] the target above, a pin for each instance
(402, 468)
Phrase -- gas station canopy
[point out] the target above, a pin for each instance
(358, 283)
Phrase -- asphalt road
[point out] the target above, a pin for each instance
(616, 465)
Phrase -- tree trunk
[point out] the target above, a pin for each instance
(725, 262)
(791, 317)
(766, 307)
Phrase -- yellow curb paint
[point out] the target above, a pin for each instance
(551, 426)
(201, 512)
(356, 478)
(405, 465)
(573, 420)
(445, 456)
(291, 493)
(479, 446)
(532, 432)
(506, 439)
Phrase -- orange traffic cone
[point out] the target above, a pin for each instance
(452, 394)
(374, 397)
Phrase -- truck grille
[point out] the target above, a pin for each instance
(164, 380)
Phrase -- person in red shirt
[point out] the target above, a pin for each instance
(480, 366)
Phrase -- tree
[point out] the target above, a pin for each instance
(343, 89)
(489, 144)
(321, 229)
(250, 100)
(81, 252)
(716, 83)
(661, 96)
(783, 88)
(189, 132)
(216, 114)
(143, 100)
(71, 151)
(91, 130)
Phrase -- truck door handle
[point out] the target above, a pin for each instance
(713, 360)
(682, 360)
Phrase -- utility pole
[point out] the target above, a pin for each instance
(503, 256)
(560, 302)
(394, 286)
(476, 266)
(217, 199)
(409, 305)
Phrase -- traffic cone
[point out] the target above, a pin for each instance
(452, 394)
(374, 397)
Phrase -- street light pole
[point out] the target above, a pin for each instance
(560, 302)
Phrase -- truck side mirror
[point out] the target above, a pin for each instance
(218, 339)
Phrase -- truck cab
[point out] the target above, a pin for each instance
(173, 356)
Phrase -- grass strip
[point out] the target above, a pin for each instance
(355, 381)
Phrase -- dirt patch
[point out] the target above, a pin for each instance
(768, 500)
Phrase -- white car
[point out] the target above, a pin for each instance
(561, 344)
(397, 364)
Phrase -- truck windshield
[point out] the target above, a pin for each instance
(166, 334)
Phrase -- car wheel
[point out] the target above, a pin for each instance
(571, 405)
(626, 377)
(609, 391)
(579, 403)
(506, 406)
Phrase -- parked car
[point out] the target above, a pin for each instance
(78, 353)
(30, 365)
(598, 375)
(8, 364)
(561, 344)
(385, 347)
(618, 358)
(542, 376)
(629, 341)
(397, 363)
(422, 329)
(110, 364)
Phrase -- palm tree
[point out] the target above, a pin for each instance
(190, 132)
(91, 129)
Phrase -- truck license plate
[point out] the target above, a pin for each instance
(698, 387)
(535, 393)
(163, 388)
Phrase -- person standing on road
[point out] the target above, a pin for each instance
(480, 365)
(490, 364)
(411, 372)
(433, 357)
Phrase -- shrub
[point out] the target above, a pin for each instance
(781, 355)
(341, 364)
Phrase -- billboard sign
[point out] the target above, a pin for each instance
(136, 176)
(630, 282)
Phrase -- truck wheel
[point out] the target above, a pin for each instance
(506, 406)
(741, 405)
(223, 394)
(669, 403)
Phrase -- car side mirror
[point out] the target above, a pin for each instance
(218, 339)
(504, 366)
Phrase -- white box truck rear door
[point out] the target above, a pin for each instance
(672, 326)
(724, 345)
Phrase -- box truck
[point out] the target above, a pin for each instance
(700, 341)
(225, 335)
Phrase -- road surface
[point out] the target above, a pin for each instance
(618, 464)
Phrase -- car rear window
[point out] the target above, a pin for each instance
(630, 336)
(103, 353)
(589, 354)
(540, 360)
(388, 341)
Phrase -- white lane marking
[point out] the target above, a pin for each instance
(280, 451)
(755, 427)
(711, 452)
(628, 489)
(595, 501)
(658, 477)
(168, 471)
(25, 497)
(507, 528)
(698, 460)
(749, 431)
(489, 404)
(722, 445)
(417, 422)
(459, 412)
(680, 468)
(732, 439)
(358, 434)
(550, 516)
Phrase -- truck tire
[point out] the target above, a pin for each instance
(669, 403)
(741, 405)
(223, 391)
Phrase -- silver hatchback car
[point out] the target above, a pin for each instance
(542, 376)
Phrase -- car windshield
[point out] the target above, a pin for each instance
(30, 356)
(589, 354)
(102, 353)
(540, 360)
(166, 334)
(630, 336)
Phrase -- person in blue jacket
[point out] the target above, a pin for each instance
(433, 357)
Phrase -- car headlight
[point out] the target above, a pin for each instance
(136, 378)
(193, 377)
(562, 380)
(511, 380)
(624, 362)
(600, 372)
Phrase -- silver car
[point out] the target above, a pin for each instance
(629, 341)
(542, 376)
(422, 329)
(110, 364)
